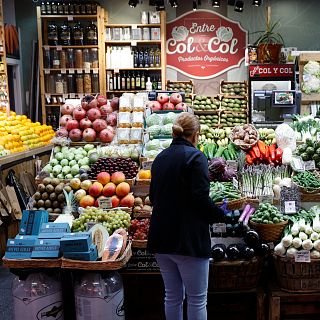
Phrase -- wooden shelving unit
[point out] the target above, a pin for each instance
(161, 44)
(42, 23)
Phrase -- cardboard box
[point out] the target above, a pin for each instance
(142, 260)
(46, 248)
(32, 221)
(91, 255)
(19, 248)
(53, 230)
(76, 242)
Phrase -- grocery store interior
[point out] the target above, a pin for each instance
(89, 94)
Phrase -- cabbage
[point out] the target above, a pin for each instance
(166, 143)
(152, 145)
(311, 84)
(153, 119)
(154, 130)
(312, 68)
(151, 154)
(166, 130)
(169, 118)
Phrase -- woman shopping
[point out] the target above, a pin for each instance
(182, 212)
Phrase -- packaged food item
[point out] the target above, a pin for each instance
(125, 104)
(63, 59)
(87, 83)
(137, 119)
(138, 103)
(136, 135)
(124, 120)
(123, 135)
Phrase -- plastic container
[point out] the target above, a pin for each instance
(99, 297)
(39, 296)
(59, 84)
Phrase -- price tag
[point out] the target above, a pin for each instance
(59, 48)
(70, 18)
(146, 165)
(232, 164)
(309, 165)
(87, 70)
(46, 47)
(235, 183)
(271, 245)
(302, 256)
(79, 70)
(318, 136)
(290, 207)
(116, 70)
(95, 70)
(72, 95)
(46, 71)
(133, 43)
(298, 163)
(48, 96)
(105, 203)
(134, 26)
(219, 228)
(266, 198)
(71, 70)
(63, 71)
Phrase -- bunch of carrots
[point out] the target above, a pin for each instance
(261, 153)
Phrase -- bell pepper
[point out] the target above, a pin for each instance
(262, 148)
(256, 151)
(252, 154)
(272, 151)
(267, 153)
(279, 155)
(249, 159)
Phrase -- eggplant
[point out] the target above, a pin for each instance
(252, 239)
(263, 249)
(218, 252)
(248, 253)
(233, 253)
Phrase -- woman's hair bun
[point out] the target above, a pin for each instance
(177, 130)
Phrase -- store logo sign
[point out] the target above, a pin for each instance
(203, 44)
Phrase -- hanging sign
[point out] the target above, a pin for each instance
(203, 44)
(273, 71)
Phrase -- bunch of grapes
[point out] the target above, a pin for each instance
(139, 229)
(111, 220)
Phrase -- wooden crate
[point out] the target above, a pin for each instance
(226, 95)
(178, 83)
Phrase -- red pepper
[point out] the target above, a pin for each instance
(262, 148)
(272, 151)
(267, 153)
(256, 151)
(252, 154)
(279, 155)
(249, 159)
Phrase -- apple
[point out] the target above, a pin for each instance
(122, 189)
(115, 201)
(86, 184)
(75, 183)
(86, 201)
(168, 106)
(127, 201)
(162, 98)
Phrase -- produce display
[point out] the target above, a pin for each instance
(111, 220)
(261, 153)
(220, 191)
(211, 120)
(112, 165)
(233, 118)
(93, 120)
(307, 180)
(160, 125)
(68, 163)
(310, 151)
(120, 151)
(234, 105)
(267, 214)
(139, 229)
(153, 147)
(226, 151)
(142, 206)
(173, 101)
(233, 88)
(311, 78)
(18, 133)
(211, 135)
(219, 171)
(205, 103)
(268, 136)
(181, 86)
(305, 127)
(244, 136)
(50, 195)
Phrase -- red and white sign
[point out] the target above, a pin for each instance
(203, 44)
(272, 71)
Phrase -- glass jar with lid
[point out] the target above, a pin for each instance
(55, 59)
(94, 58)
(52, 32)
(63, 59)
(87, 83)
(65, 34)
(71, 83)
(47, 59)
(79, 83)
(91, 34)
(70, 58)
(59, 84)
(86, 59)
(50, 83)
(95, 83)
(78, 57)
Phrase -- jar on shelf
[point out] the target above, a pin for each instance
(70, 58)
(78, 57)
(50, 83)
(59, 84)
(66, 9)
(54, 8)
(83, 8)
(79, 83)
(63, 59)
(60, 8)
(88, 8)
(52, 32)
(71, 83)
(95, 83)
(47, 59)
(65, 34)
(55, 59)
(86, 59)
(77, 8)
(65, 84)
(87, 83)
(94, 58)
(94, 8)
(91, 34)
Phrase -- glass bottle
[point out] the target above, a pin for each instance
(65, 9)
(159, 83)
(118, 81)
(149, 85)
(138, 81)
(43, 8)
(88, 8)
(135, 58)
(47, 59)
(154, 83)
(146, 58)
(95, 83)
(60, 8)
(65, 34)
(59, 84)
(65, 84)
(133, 81)
(123, 81)
(91, 34)
(52, 32)
(77, 8)
(128, 80)
(83, 8)
(157, 60)
(54, 122)
(114, 79)
(55, 59)
(51, 84)
(54, 8)
(94, 8)
(141, 56)
(71, 8)
(109, 81)
(49, 119)
(78, 34)
(143, 81)
(48, 8)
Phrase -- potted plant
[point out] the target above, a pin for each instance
(269, 43)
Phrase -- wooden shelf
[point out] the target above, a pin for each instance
(130, 25)
(74, 69)
(54, 105)
(119, 91)
(69, 17)
(209, 112)
(124, 42)
(225, 96)
(71, 47)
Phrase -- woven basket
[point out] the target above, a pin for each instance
(234, 204)
(99, 265)
(143, 182)
(31, 263)
(297, 276)
(304, 190)
(142, 214)
(269, 232)
(142, 244)
(244, 146)
(235, 275)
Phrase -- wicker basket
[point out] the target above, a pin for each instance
(142, 244)
(99, 265)
(142, 214)
(304, 190)
(234, 204)
(143, 182)
(235, 275)
(297, 276)
(269, 232)
(244, 146)
(31, 263)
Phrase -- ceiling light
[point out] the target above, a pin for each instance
(257, 3)
(160, 5)
(231, 2)
(216, 3)
(195, 6)
(239, 6)
(133, 3)
(173, 3)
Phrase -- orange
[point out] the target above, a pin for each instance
(144, 174)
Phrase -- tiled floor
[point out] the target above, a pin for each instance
(6, 305)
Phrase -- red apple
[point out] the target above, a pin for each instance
(85, 123)
(72, 124)
(86, 201)
(162, 98)
(89, 135)
(168, 106)
(79, 113)
(175, 98)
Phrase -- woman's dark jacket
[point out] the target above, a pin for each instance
(182, 209)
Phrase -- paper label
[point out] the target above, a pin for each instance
(70, 18)
(63, 71)
(309, 165)
(146, 165)
(71, 70)
(116, 70)
(105, 203)
(219, 228)
(266, 198)
(72, 95)
(133, 43)
(46, 71)
(59, 48)
(302, 256)
(87, 70)
(79, 70)
(298, 163)
(290, 207)
(95, 70)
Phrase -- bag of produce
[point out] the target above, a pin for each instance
(285, 137)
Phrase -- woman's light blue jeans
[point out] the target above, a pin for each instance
(184, 274)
